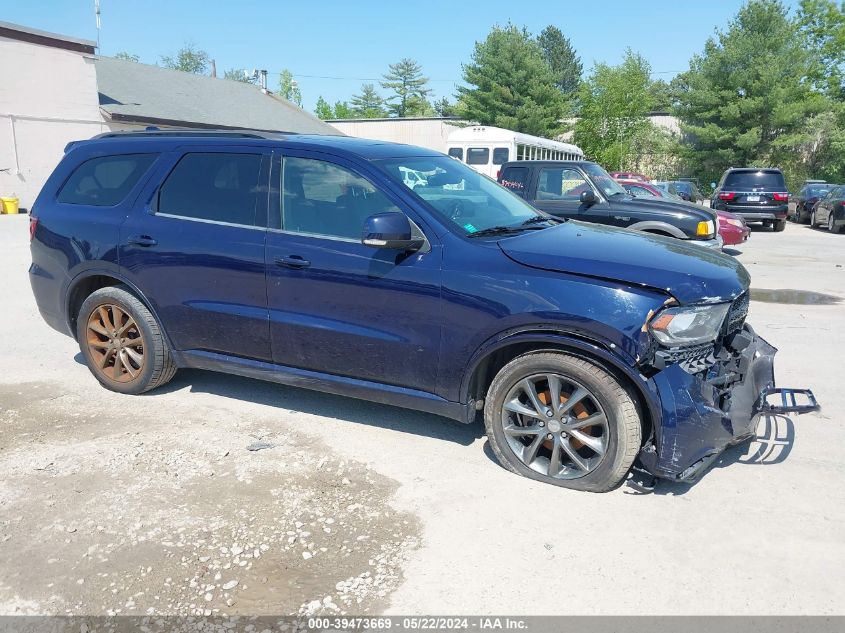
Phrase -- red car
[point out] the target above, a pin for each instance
(628, 175)
(732, 228)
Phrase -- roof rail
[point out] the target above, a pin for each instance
(153, 132)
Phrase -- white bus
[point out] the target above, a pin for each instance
(486, 148)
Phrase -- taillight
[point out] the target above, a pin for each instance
(727, 195)
(33, 222)
(498, 174)
(781, 197)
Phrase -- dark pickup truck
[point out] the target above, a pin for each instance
(582, 190)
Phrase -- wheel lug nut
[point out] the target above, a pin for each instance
(542, 423)
(549, 412)
(549, 436)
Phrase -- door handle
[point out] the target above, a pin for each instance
(142, 240)
(292, 261)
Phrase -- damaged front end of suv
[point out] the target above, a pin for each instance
(714, 375)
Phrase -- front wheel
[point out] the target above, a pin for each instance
(562, 420)
(831, 226)
(813, 218)
(122, 343)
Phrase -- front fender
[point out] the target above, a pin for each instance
(663, 227)
(591, 350)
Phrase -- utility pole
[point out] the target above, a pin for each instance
(97, 16)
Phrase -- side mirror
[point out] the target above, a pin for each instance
(391, 230)
(588, 197)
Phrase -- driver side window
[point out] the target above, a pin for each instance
(323, 199)
(557, 183)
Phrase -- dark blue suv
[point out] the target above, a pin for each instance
(319, 262)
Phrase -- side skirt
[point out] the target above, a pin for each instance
(329, 383)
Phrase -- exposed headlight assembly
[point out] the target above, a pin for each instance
(689, 325)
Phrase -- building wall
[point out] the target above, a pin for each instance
(48, 97)
(430, 133)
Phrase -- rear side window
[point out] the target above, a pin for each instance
(515, 179)
(456, 152)
(500, 155)
(757, 180)
(213, 186)
(105, 181)
(478, 156)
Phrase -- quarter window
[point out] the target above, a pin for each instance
(321, 198)
(218, 187)
(514, 178)
(105, 181)
(456, 152)
(478, 156)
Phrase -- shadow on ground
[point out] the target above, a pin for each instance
(772, 445)
(322, 404)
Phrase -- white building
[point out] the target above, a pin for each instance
(48, 97)
(54, 89)
(430, 132)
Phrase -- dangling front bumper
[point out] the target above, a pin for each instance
(712, 402)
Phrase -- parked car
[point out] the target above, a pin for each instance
(688, 191)
(582, 190)
(807, 198)
(755, 194)
(641, 189)
(628, 175)
(732, 228)
(308, 261)
(830, 210)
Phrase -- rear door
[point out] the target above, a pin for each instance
(515, 178)
(194, 245)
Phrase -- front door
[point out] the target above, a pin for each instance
(337, 306)
(196, 250)
(559, 190)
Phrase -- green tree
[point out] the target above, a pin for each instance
(821, 26)
(662, 95)
(406, 81)
(343, 111)
(323, 110)
(562, 59)
(369, 104)
(510, 85)
(613, 125)
(130, 57)
(288, 88)
(238, 74)
(444, 108)
(188, 59)
(746, 98)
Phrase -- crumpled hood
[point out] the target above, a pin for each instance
(690, 273)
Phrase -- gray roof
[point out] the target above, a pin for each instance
(36, 36)
(140, 93)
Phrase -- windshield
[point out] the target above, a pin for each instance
(602, 180)
(467, 199)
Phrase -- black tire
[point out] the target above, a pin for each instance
(624, 424)
(779, 225)
(831, 226)
(158, 367)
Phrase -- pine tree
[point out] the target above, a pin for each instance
(408, 84)
(368, 105)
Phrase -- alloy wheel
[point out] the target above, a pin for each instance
(830, 223)
(555, 426)
(115, 343)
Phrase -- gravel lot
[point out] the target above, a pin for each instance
(155, 504)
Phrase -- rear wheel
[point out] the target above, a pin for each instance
(562, 420)
(779, 225)
(122, 343)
